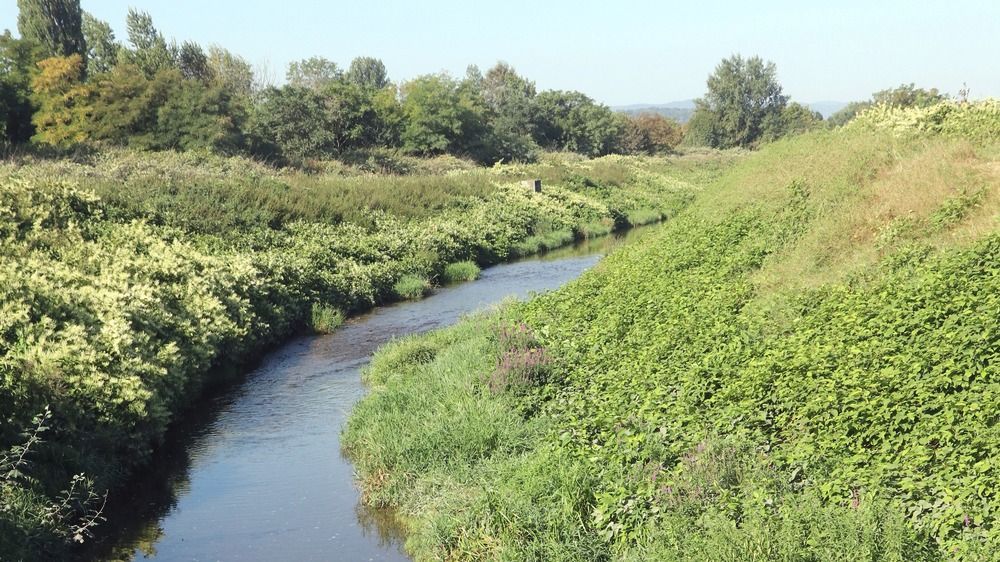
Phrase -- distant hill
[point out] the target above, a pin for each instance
(827, 108)
(681, 111)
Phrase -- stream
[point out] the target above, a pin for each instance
(256, 473)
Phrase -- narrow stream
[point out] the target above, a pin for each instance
(257, 472)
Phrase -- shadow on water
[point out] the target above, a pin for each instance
(255, 470)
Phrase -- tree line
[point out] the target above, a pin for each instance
(68, 80)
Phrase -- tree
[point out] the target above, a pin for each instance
(102, 49)
(150, 51)
(908, 95)
(314, 73)
(905, 95)
(18, 58)
(797, 118)
(193, 62)
(389, 118)
(367, 72)
(63, 101)
(124, 105)
(572, 121)
(194, 115)
(650, 133)
(55, 25)
(231, 72)
(509, 98)
(166, 112)
(442, 115)
(743, 98)
(293, 122)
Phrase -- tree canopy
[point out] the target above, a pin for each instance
(55, 25)
(743, 103)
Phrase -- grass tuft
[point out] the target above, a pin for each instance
(325, 319)
(462, 271)
(412, 286)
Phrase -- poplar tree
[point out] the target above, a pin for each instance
(56, 25)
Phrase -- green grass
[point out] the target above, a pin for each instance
(641, 217)
(595, 229)
(769, 376)
(325, 319)
(459, 272)
(412, 287)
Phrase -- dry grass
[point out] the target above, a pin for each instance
(889, 203)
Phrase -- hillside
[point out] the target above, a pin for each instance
(802, 365)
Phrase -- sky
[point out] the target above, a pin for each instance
(624, 52)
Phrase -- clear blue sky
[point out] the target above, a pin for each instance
(618, 52)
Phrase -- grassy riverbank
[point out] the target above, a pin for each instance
(130, 282)
(802, 365)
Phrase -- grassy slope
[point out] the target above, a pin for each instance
(800, 366)
(127, 280)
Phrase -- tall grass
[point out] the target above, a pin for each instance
(459, 272)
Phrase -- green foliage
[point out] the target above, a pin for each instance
(149, 50)
(18, 58)
(231, 72)
(572, 121)
(325, 319)
(193, 62)
(436, 114)
(412, 286)
(368, 73)
(908, 95)
(461, 271)
(294, 122)
(743, 104)
(696, 408)
(796, 119)
(55, 25)
(849, 112)
(102, 49)
(976, 121)
(313, 73)
(30, 527)
(509, 97)
(123, 286)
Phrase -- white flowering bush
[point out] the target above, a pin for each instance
(977, 121)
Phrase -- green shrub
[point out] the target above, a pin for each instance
(411, 286)
(461, 271)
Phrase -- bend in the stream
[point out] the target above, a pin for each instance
(255, 472)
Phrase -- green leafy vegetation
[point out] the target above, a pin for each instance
(799, 365)
(135, 281)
